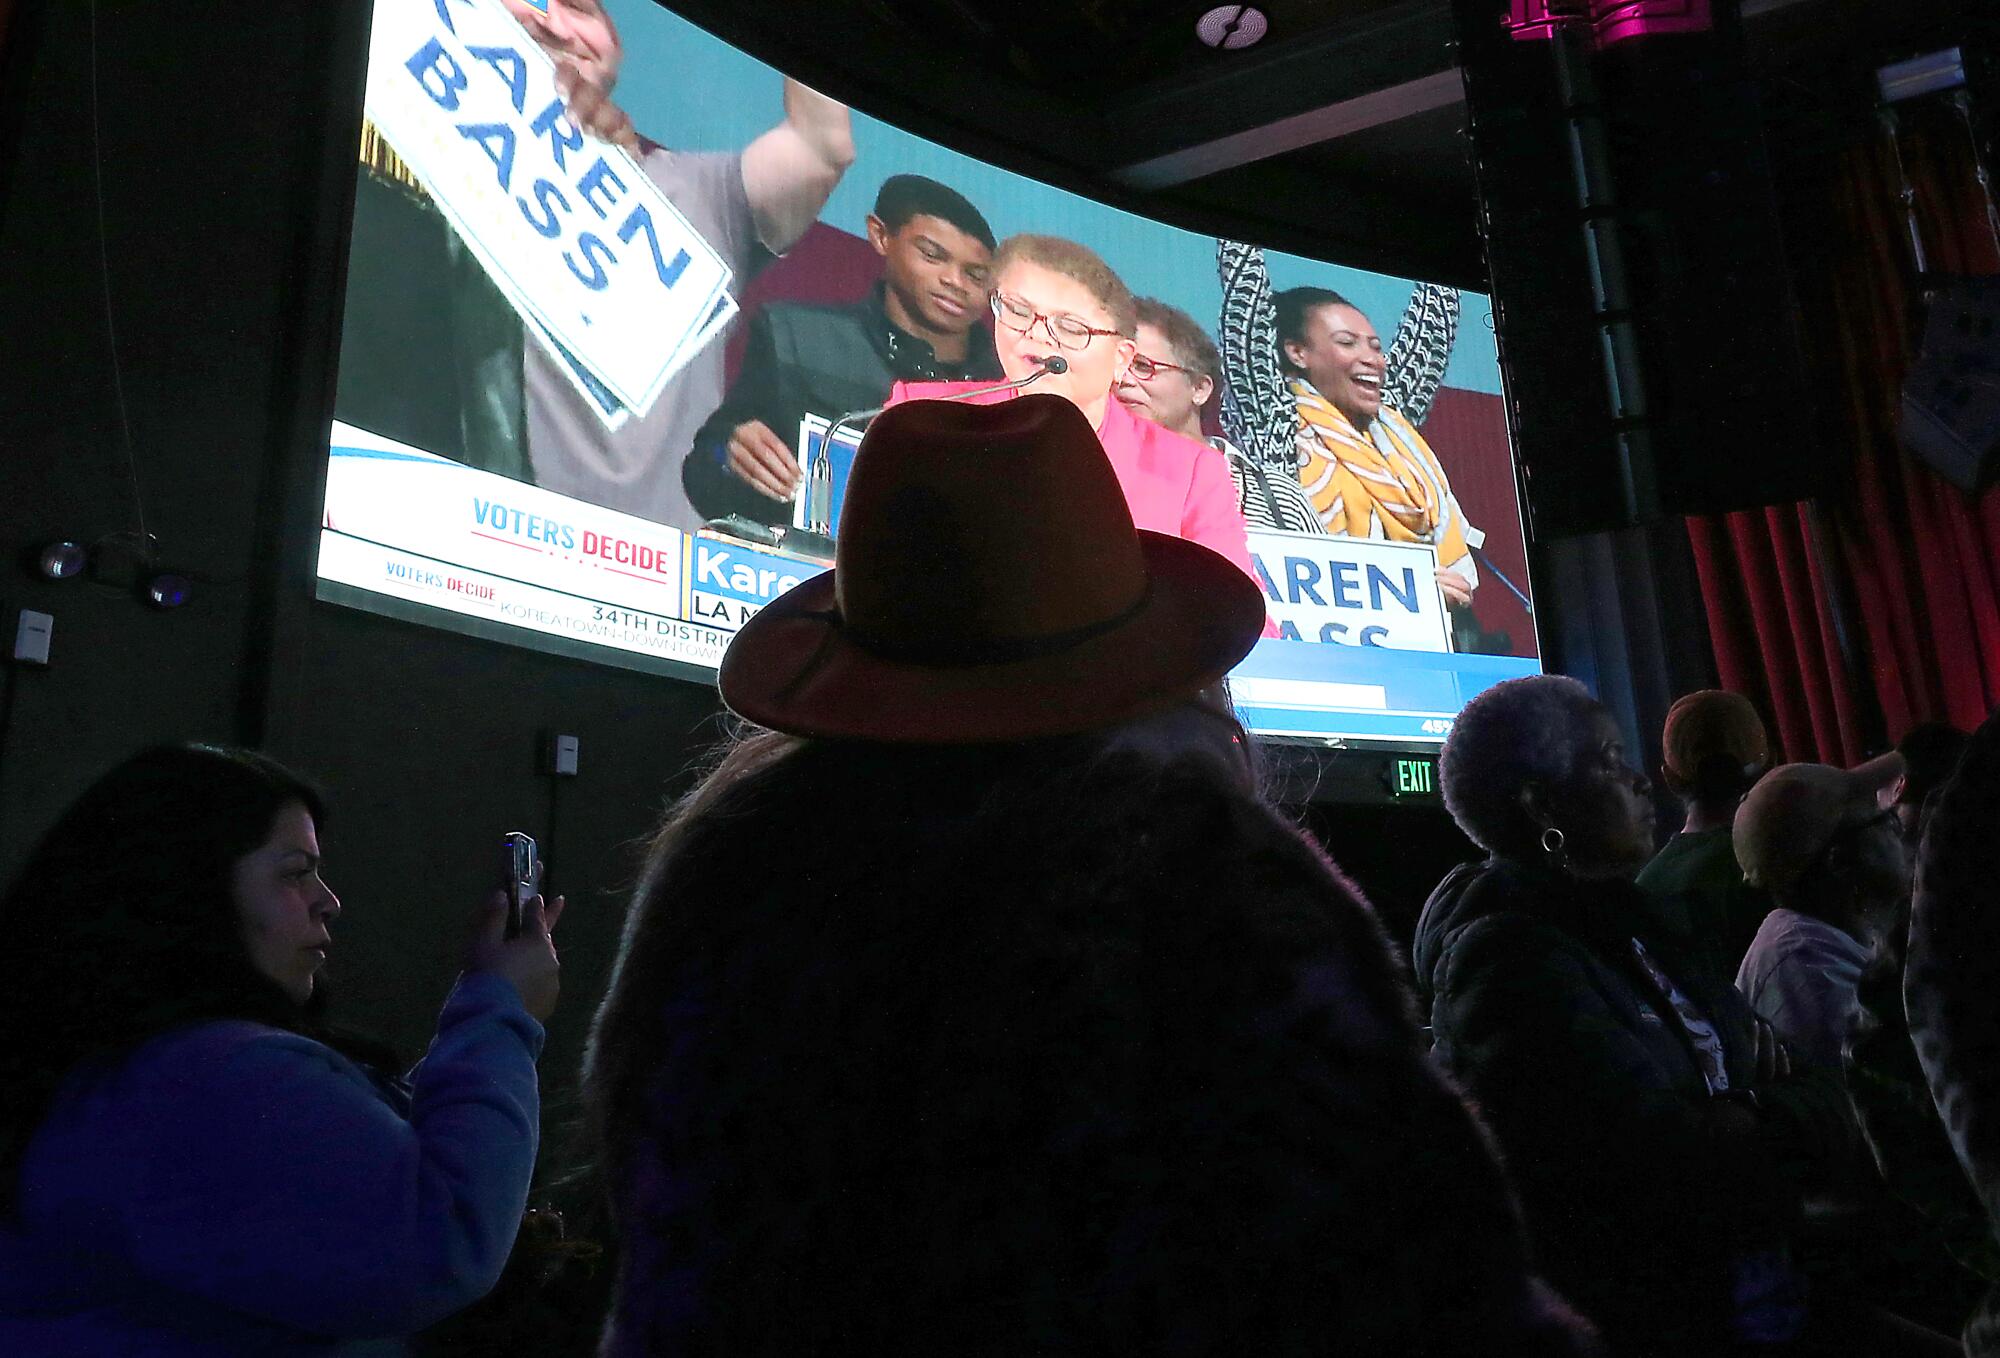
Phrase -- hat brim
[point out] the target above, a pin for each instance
(793, 667)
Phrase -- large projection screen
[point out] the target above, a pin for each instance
(551, 342)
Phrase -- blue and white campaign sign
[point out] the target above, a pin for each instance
(840, 461)
(581, 242)
(413, 526)
(1362, 693)
(729, 581)
(404, 525)
(1352, 591)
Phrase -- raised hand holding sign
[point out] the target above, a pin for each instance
(610, 275)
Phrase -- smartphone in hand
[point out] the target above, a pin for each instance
(521, 875)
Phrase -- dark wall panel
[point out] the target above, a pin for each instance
(430, 747)
(203, 193)
(1641, 284)
(223, 249)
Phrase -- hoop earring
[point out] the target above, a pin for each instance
(1553, 847)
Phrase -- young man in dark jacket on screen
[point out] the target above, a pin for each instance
(919, 323)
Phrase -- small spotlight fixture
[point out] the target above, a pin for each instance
(168, 590)
(1922, 75)
(1229, 28)
(62, 560)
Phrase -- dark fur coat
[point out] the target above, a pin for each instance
(1110, 1061)
(1951, 985)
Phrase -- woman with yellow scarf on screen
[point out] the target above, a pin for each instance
(1369, 472)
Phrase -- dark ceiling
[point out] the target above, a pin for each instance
(1338, 136)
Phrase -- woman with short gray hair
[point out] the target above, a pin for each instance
(1528, 734)
(1644, 1115)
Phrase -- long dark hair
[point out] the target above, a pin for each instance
(123, 922)
(870, 804)
(870, 929)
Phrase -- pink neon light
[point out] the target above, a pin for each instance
(1609, 21)
(1620, 20)
(1538, 20)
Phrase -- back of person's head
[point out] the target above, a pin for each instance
(1816, 837)
(903, 196)
(1078, 263)
(1193, 349)
(1713, 748)
(866, 827)
(123, 922)
(897, 971)
(1295, 307)
(963, 1042)
(1931, 751)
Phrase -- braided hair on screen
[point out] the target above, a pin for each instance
(1420, 350)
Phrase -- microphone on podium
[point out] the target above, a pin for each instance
(819, 481)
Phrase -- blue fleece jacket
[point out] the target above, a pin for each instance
(235, 1189)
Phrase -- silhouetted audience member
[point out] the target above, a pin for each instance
(1829, 851)
(1713, 750)
(190, 1163)
(1906, 1137)
(1952, 986)
(1931, 752)
(989, 1010)
(1925, 1240)
(1650, 1123)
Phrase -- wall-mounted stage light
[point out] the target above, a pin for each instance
(1922, 75)
(62, 560)
(168, 590)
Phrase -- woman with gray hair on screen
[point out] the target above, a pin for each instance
(1653, 1127)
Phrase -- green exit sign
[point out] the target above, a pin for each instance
(1413, 778)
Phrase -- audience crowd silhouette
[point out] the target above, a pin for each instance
(1056, 1037)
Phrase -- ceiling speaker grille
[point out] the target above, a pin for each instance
(1232, 26)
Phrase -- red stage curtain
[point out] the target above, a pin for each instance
(1918, 559)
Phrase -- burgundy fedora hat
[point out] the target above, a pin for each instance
(988, 585)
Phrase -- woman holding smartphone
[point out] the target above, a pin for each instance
(189, 1161)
